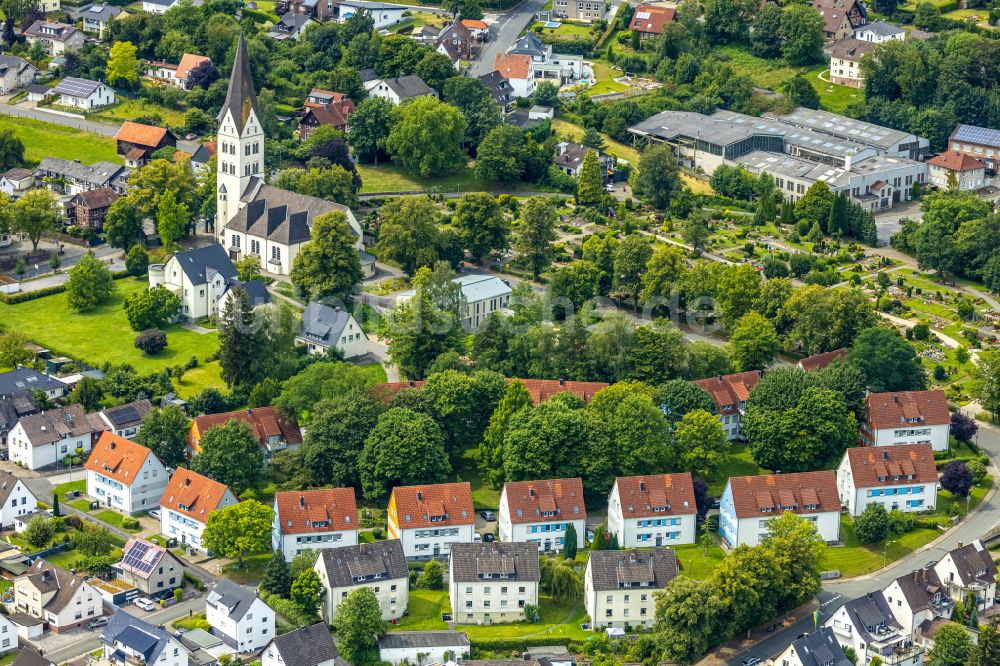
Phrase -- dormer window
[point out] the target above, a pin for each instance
(766, 509)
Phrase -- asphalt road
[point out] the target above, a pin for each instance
(836, 593)
(503, 33)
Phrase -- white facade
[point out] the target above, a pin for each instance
(157, 7)
(185, 529)
(667, 530)
(427, 542)
(141, 495)
(441, 652)
(983, 589)
(19, 502)
(879, 32)
(8, 635)
(971, 179)
(908, 618)
(618, 608)
(250, 631)
(84, 604)
(197, 300)
(912, 433)
(102, 96)
(549, 534)
(492, 601)
(523, 87)
(392, 594)
(483, 295)
(750, 531)
(383, 15)
(12, 79)
(173, 653)
(34, 457)
(911, 497)
(240, 157)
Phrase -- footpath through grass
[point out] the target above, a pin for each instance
(43, 139)
(103, 333)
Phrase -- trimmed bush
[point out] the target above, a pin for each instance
(151, 341)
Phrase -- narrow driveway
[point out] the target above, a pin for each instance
(503, 33)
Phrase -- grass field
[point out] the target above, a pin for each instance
(770, 74)
(695, 563)
(70, 486)
(130, 109)
(853, 559)
(484, 496)
(739, 462)
(47, 140)
(424, 608)
(198, 379)
(253, 569)
(616, 148)
(102, 334)
(114, 518)
(391, 178)
(605, 76)
(832, 97)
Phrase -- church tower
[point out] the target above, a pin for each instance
(240, 153)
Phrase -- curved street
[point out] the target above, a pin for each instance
(837, 592)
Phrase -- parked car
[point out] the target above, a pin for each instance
(751, 661)
(488, 516)
(101, 621)
(144, 603)
(477, 538)
(154, 513)
(489, 538)
(609, 188)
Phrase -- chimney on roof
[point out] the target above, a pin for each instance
(420, 496)
(531, 492)
(885, 455)
(113, 444)
(362, 548)
(720, 378)
(562, 382)
(411, 384)
(642, 486)
(959, 544)
(187, 481)
(302, 501)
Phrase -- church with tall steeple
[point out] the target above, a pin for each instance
(254, 218)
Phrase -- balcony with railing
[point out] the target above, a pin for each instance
(903, 652)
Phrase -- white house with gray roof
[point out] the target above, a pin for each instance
(129, 640)
(430, 647)
(384, 14)
(969, 572)
(126, 420)
(867, 626)
(15, 499)
(14, 73)
(492, 582)
(256, 291)
(29, 379)
(483, 295)
(83, 93)
(308, 646)
(618, 585)
(200, 277)
(57, 38)
(820, 648)
(97, 17)
(380, 566)
(239, 617)
(324, 327)
(878, 32)
(53, 594)
(398, 90)
(40, 440)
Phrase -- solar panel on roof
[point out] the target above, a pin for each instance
(643, 15)
(141, 557)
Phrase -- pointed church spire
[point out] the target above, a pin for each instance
(241, 98)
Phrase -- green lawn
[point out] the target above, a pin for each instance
(854, 559)
(70, 486)
(198, 379)
(252, 570)
(605, 76)
(695, 563)
(484, 496)
(80, 504)
(47, 140)
(67, 559)
(557, 620)
(565, 32)
(194, 622)
(739, 462)
(114, 518)
(953, 506)
(374, 373)
(390, 178)
(832, 97)
(130, 109)
(102, 334)
(423, 611)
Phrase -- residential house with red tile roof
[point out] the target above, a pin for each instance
(125, 476)
(516, 68)
(540, 390)
(540, 512)
(820, 361)
(906, 417)
(323, 107)
(956, 168)
(138, 142)
(653, 510)
(649, 20)
(314, 519)
(273, 431)
(750, 502)
(900, 477)
(187, 502)
(730, 393)
(428, 519)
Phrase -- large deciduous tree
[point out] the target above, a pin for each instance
(328, 266)
(888, 361)
(336, 436)
(151, 308)
(239, 530)
(753, 343)
(230, 454)
(515, 398)
(482, 226)
(408, 233)
(535, 234)
(164, 431)
(358, 626)
(701, 442)
(123, 66)
(90, 283)
(404, 449)
(657, 179)
(35, 213)
(370, 125)
(423, 137)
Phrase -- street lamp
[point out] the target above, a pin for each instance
(885, 551)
